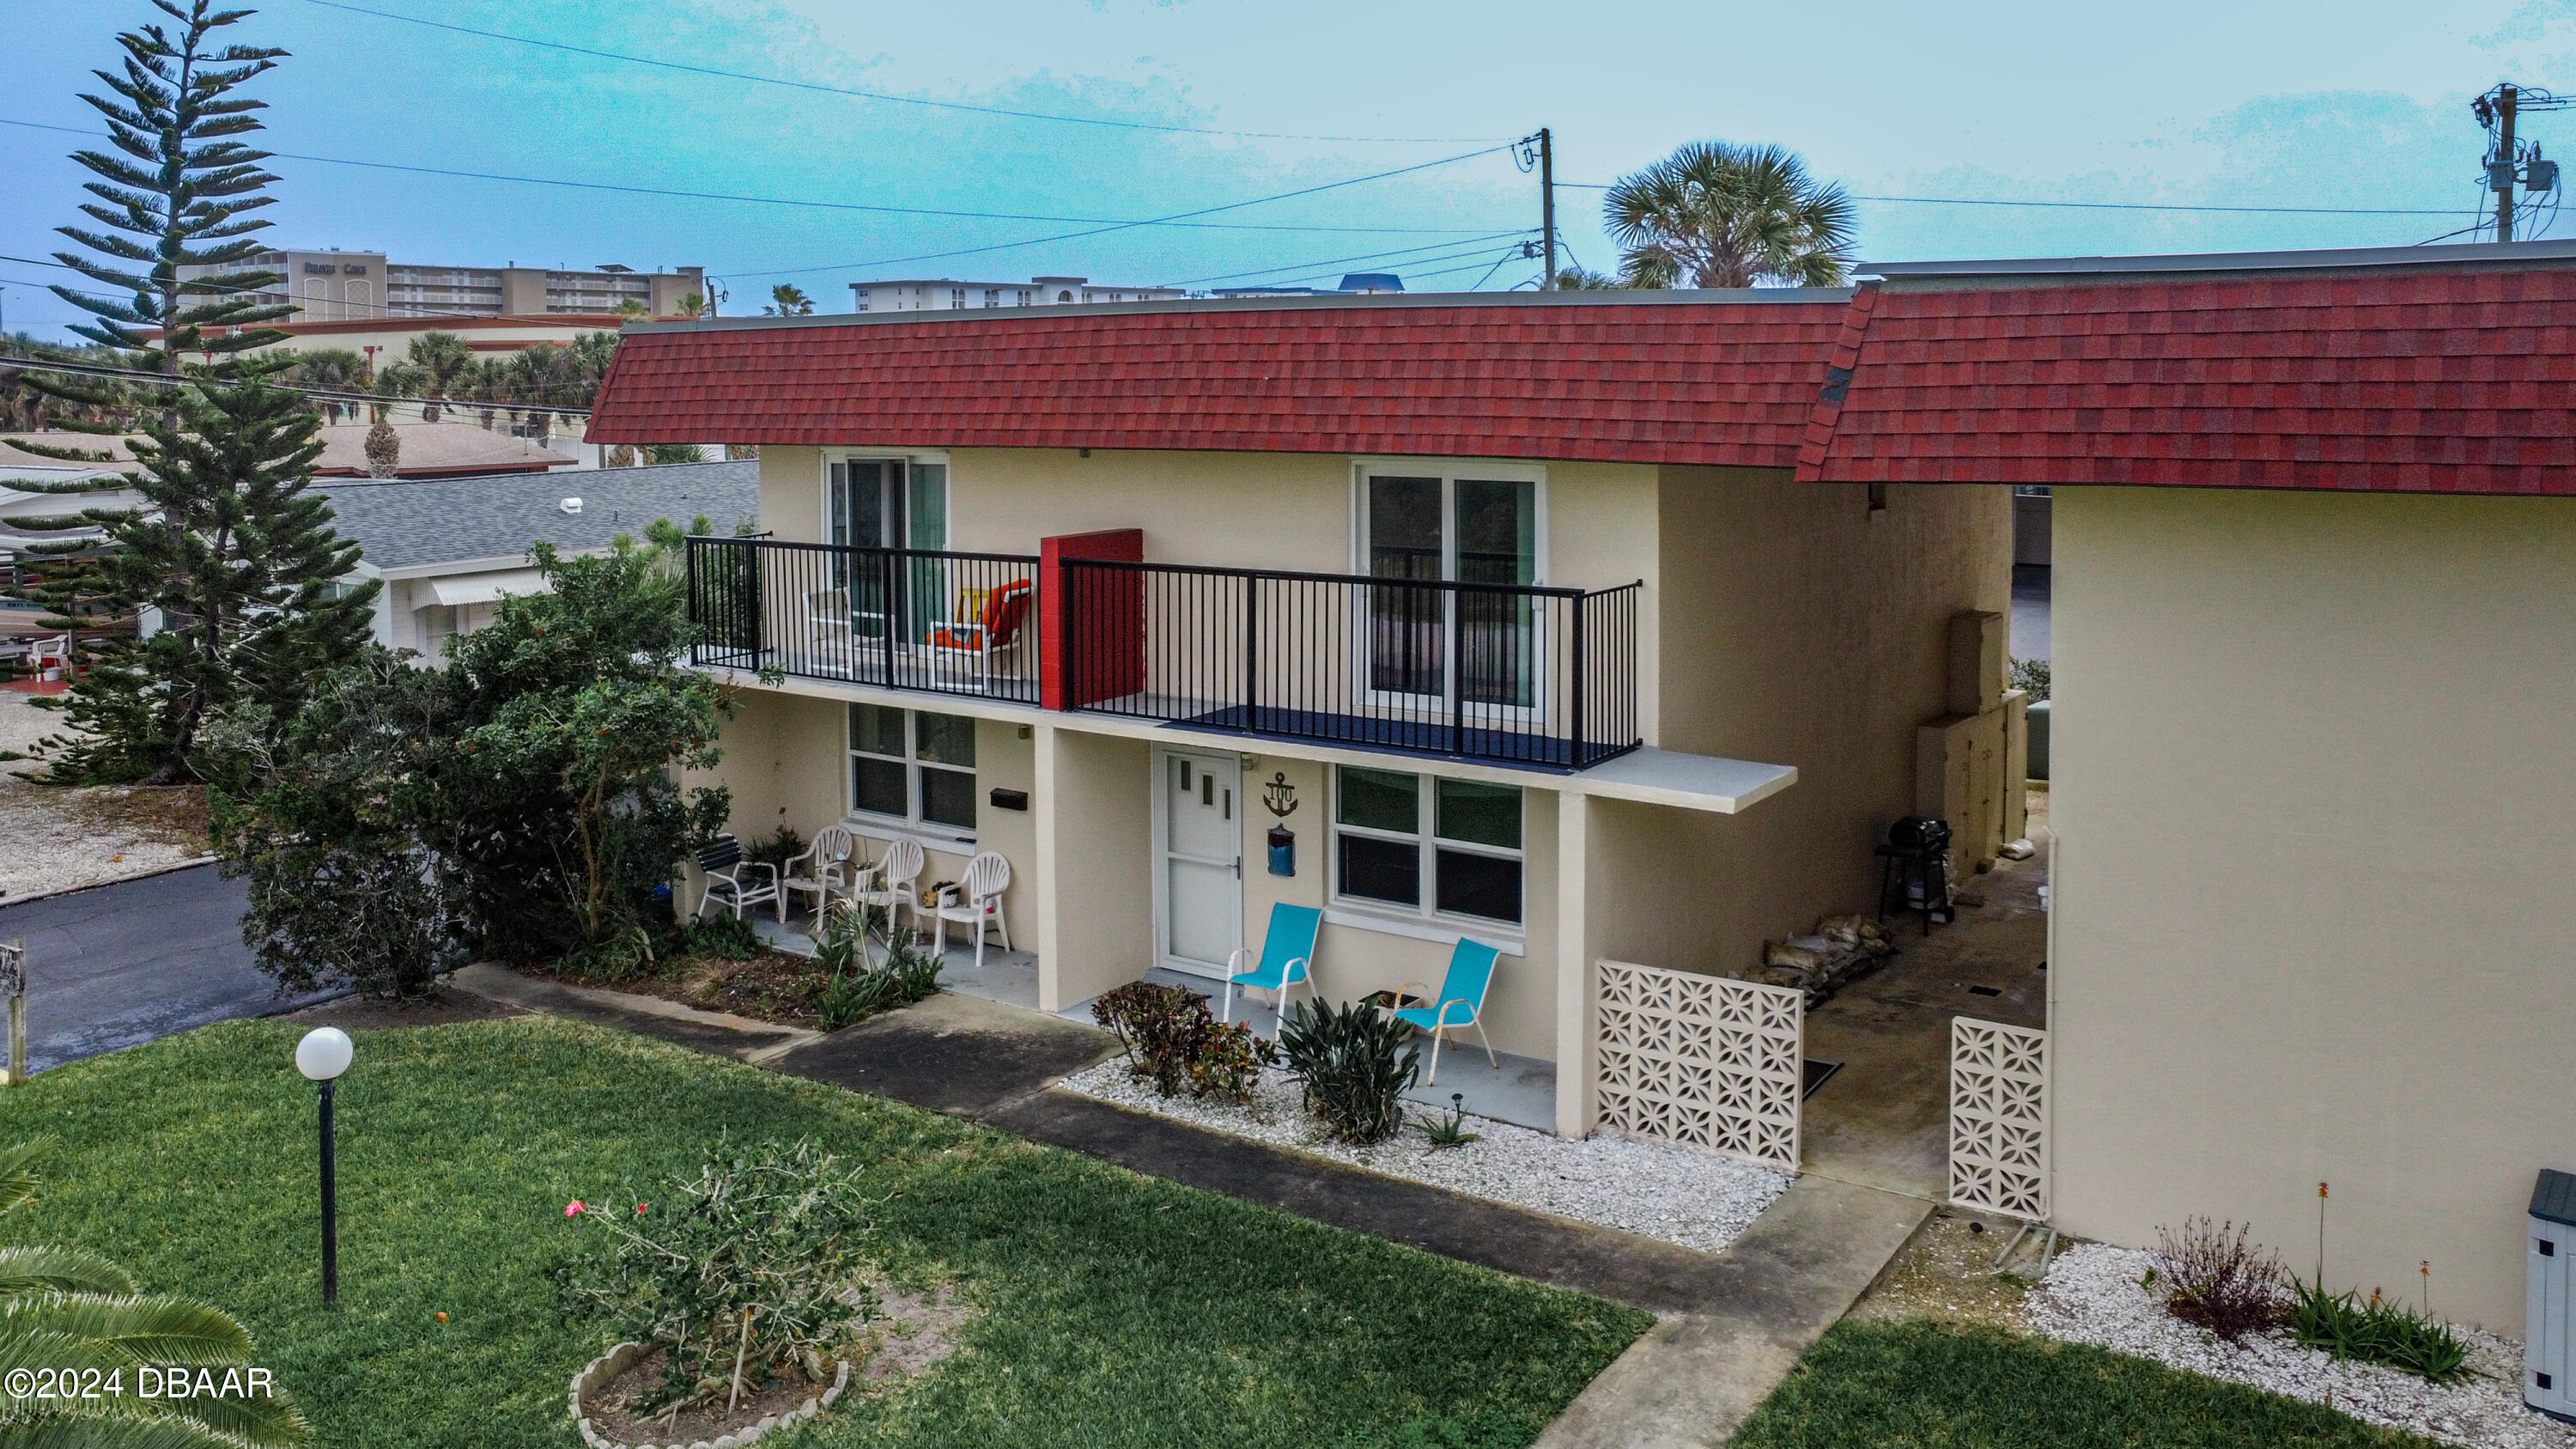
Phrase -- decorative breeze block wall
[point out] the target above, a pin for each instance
(1999, 1118)
(1703, 1061)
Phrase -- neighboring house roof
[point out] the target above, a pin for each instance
(427, 449)
(2422, 369)
(406, 527)
(1654, 377)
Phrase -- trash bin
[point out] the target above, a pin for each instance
(2037, 733)
(2549, 1346)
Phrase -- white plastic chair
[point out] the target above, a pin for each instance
(889, 884)
(827, 623)
(827, 870)
(976, 902)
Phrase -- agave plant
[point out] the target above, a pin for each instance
(69, 1315)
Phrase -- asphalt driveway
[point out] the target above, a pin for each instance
(121, 964)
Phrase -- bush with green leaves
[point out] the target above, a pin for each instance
(69, 1312)
(2030, 676)
(1174, 1041)
(2372, 1330)
(754, 1266)
(523, 799)
(852, 990)
(721, 934)
(1355, 1065)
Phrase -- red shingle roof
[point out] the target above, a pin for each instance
(2436, 379)
(1677, 381)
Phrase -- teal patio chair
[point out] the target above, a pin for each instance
(1461, 1001)
(1287, 956)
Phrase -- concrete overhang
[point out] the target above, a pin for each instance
(1707, 783)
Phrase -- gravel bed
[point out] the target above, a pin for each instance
(56, 839)
(2092, 1296)
(1689, 1198)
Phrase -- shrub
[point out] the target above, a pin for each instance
(854, 992)
(1355, 1066)
(1227, 1059)
(2031, 677)
(752, 1266)
(2215, 1276)
(727, 936)
(777, 850)
(2348, 1326)
(1172, 1040)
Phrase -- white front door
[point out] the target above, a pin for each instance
(1202, 846)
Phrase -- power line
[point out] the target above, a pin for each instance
(886, 96)
(1122, 226)
(790, 200)
(1329, 261)
(2118, 205)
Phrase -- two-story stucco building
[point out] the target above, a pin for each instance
(1516, 596)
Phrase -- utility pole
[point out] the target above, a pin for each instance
(1547, 204)
(2508, 99)
(2510, 164)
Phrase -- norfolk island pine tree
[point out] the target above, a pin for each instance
(230, 550)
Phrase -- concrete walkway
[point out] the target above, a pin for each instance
(1697, 1376)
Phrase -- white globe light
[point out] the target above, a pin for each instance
(324, 1053)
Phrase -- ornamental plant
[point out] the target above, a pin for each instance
(2217, 1277)
(1174, 1041)
(1355, 1065)
(750, 1268)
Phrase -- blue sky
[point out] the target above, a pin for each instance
(2361, 103)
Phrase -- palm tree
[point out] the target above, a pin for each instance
(1717, 215)
(333, 369)
(441, 358)
(788, 300)
(66, 1308)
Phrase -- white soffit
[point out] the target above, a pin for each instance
(483, 588)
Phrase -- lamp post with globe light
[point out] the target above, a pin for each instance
(322, 1056)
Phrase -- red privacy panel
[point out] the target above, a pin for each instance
(1092, 634)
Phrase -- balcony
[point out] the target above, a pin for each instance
(940, 623)
(1522, 675)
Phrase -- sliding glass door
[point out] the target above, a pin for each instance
(1419, 530)
(890, 503)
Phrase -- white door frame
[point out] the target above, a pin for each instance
(1231, 764)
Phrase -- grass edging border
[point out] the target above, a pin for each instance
(605, 1368)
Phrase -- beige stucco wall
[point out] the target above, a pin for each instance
(1093, 815)
(2314, 812)
(1234, 510)
(1806, 630)
(1352, 961)
(786, 762)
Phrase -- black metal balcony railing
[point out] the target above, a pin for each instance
(1518, 674)
(1544, 678)
(947, 623)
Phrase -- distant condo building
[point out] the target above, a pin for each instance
(944, 294)
(338, 286)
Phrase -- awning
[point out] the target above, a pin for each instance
(484, 588)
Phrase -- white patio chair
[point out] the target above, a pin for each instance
(890, 884)
(827, 622)
(734, 878)
(828, 869)
(976, 902)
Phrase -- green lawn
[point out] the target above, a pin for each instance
(1121, 1311)
(1923, 1385)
